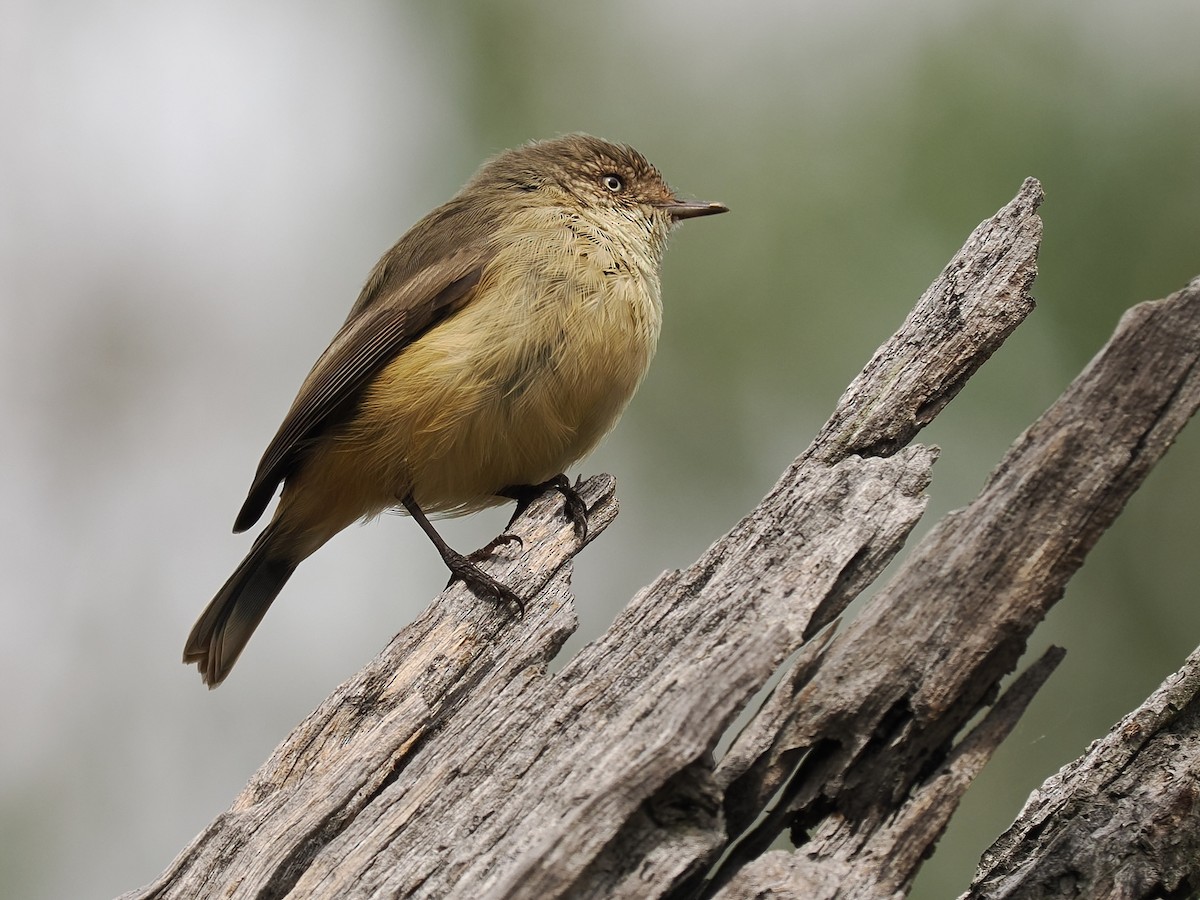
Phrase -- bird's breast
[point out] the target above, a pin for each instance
(523, 381)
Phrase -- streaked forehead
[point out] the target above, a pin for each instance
(585, 154)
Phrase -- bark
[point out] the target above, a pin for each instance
(1121, 821)
(454, 765)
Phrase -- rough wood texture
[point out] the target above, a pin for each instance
(453, 765)
(1122, 821)
(847, 741)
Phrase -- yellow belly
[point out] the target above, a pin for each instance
(513, 389)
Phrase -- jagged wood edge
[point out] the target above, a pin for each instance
(687, 652)
(1123, 820)
(882, 865)
(363, 735)
(349, 775)
(847, 741)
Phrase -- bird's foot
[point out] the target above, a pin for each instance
(573, 505)
(498, 541)
(460, 566)
(484, 585)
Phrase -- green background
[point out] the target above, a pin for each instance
(191, 195)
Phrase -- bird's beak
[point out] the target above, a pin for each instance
(684, 209)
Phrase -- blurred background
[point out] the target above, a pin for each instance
(191, 195)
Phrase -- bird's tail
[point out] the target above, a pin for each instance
(221, 632)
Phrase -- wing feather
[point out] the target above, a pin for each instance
(392, 313)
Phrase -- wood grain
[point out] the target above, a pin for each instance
(456, 765)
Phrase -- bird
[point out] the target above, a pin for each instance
(490, 349)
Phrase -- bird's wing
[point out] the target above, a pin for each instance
(395, 309)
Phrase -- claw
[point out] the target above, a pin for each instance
(498, 541)
(480, 582)
(462, 567)
(573, 506)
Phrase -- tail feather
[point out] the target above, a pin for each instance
(220, 634)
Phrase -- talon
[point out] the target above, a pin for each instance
(498, 541)
(577, 512)
(573, 506)
(481, 583)
(460, 566)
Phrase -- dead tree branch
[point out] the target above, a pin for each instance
(1123, 820)
(453, 765)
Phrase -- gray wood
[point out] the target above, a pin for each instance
(955, 618)
(455, 765)
(881, 863)
(1122, 821)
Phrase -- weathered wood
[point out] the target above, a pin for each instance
(882, 865)
(1122, 821)
(964, 316)
(348, 750)
(849, 736)
(454, 765)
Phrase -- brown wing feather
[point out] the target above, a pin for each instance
(382, 324)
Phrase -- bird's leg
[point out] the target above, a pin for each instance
(460, 566)
(573, 505)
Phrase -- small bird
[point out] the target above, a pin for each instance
(493, 346)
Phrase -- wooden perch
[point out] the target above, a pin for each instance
(453, 765)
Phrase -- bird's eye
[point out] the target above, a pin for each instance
(612, 182)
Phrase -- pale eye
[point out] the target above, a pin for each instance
(613, 182)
